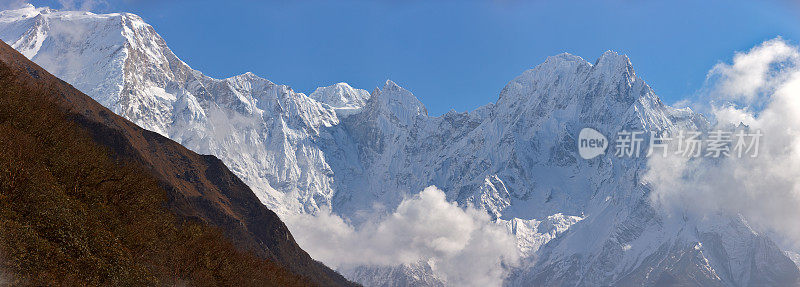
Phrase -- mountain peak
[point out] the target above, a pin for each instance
(340, 95)
(565, 79)
(25, 11)
(611, 55)
(614, 63)
(561, 63)
(249, 79)
(397, 101)
(247, 76)
(564, 57)
(390, 85)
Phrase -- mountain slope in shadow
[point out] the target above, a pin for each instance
(87, 197)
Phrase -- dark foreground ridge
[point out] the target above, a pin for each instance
(89, 198)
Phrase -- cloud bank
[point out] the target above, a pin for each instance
(759, 89)
(465, 247)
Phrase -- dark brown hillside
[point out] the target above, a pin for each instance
(72, 158)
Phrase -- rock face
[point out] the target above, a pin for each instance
(578, 222)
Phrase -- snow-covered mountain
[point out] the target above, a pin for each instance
(577, 222)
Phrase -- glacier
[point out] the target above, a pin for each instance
(359, 154)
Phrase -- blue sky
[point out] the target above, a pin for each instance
(455, 54)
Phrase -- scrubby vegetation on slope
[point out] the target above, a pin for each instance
(71, 214)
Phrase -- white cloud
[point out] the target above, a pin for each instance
(730, 114)
(753, 74)
(761, 88)
(12, 4)
(465, 246)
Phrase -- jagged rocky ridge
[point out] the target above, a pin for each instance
(577, 222)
